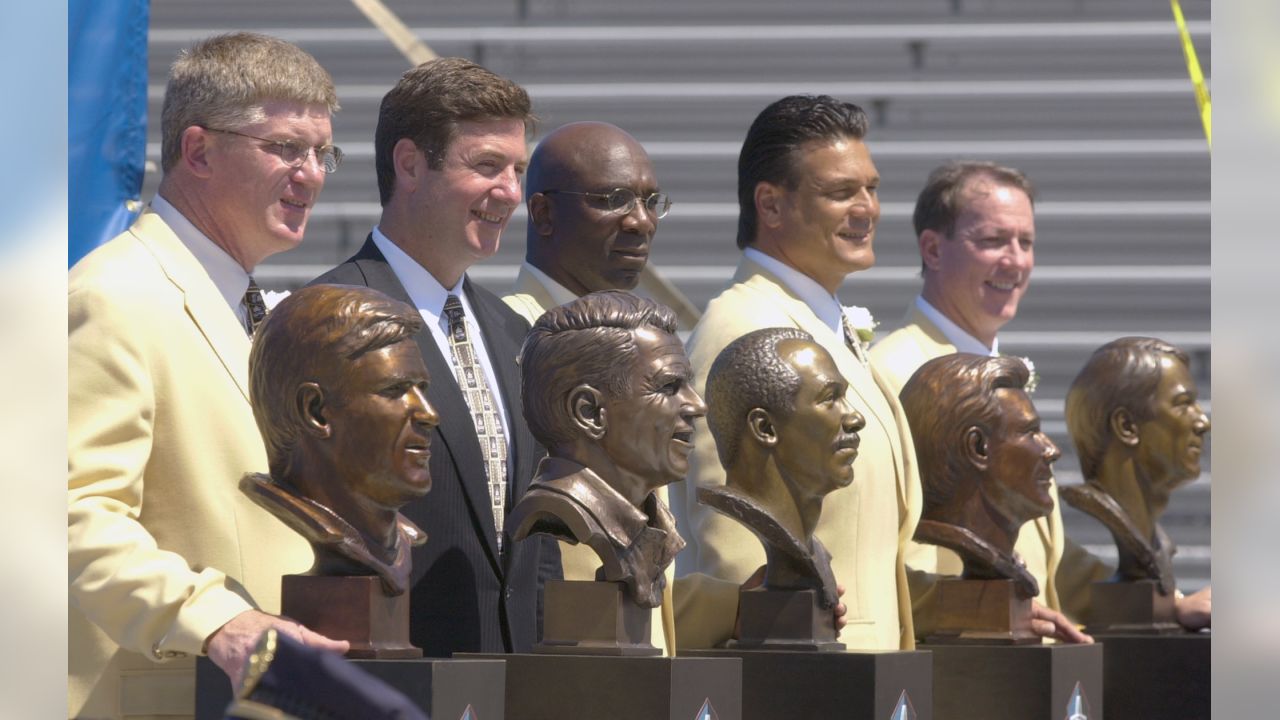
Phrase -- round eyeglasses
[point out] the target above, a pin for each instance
(294, 153)
(623, 200)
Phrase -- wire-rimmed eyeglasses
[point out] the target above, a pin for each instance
(623, 200)
(294, 153)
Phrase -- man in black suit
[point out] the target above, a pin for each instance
(450, 148)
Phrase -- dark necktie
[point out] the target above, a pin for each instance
(484, 411)
(255, 307)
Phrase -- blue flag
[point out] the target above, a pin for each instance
(106, 118)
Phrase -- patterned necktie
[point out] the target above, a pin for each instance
(851, 339)
(475, 388)
(255, 307)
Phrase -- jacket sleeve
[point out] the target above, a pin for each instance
(146, 599)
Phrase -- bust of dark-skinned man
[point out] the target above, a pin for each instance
(606, 389)
(1139, 432)
(338, 391)
(786, 437)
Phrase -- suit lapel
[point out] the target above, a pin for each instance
(204, 304)
(456, 429)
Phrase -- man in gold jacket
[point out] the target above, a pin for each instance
(975, 227)
(807, 217)
(167, 560)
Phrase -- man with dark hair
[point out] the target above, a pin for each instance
(166, 558)
(450, 148)
(1139, 433)
(339, 393)
(594, 205)
(787, 437)
(975, 228)
(807, 217)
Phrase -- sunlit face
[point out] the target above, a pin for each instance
(381, 425)
(1170, 443)
(467, 203)
(649, 432)
(597, 249)
(259, 205)
(829, 220)
(982, 270)
(1020, 459)
(817, 440)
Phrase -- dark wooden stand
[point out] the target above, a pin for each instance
(1157, 676)
(586, 687)
(1016, 682)
(784, 620)
(986, 612)
(354, 609)
(444, 689)
(582, 617)
(1132, 608)
(781, 685)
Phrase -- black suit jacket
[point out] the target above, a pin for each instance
(465, 597)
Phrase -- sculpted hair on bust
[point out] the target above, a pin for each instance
(429, 102)
(588, 341)
(1124, 373)
(749, 373)
(310, 337)
(944, 399)
(223, 82)
(944, 195)
(777, 135)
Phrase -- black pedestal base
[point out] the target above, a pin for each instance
(569, 687)
(1156, 676)
(1016, 682)
(779, 685)
(444, 689)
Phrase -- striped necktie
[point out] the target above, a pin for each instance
(484, 411)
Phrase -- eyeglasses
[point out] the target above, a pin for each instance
(294, 153)
(623, 200)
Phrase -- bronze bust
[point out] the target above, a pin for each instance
(338, 388)
(607, 390)
(786, 437)
(985, 464)
(1139, 432)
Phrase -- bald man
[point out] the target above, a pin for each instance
(594, 205)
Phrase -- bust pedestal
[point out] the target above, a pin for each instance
(1132, 608)
(985, 612)
(583, 617)
(354, 609)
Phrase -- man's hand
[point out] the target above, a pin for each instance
(1195, 611)
(840, 610)
(1053, 624)
(231, 645)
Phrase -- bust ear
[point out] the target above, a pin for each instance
(540, 214)
(930, 243)
(309, 410)
(975, 448)
(768, 199)
(760, 425)
(1123, 426)
(586, 409)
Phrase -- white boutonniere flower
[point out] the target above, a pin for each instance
(862, 323)
(1034, 379)
(271, 298)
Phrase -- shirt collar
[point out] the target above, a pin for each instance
(823, 304)
(963, 341)
(559, 293)
(227, 274)
(427, 293)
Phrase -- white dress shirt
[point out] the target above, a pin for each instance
(228, 276)
(823, 304)
(559, 293)
(428, 296)
(963, 341)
